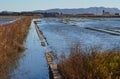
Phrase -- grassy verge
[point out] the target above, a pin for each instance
(96, 65)
(12, 36)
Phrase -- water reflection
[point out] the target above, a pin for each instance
(62, 36)
(32, 63)
(9, 63)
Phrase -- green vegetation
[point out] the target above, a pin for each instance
(43, 44)
(95, 65)
(12, 36)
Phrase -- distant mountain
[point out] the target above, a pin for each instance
(91, 10)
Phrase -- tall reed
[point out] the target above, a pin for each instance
(95, 65)
(12, 36)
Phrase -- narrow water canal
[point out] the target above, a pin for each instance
(32, 63)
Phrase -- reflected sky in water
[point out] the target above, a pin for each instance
(63, 33)
(32, 64)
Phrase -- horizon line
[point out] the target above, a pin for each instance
(60, 8)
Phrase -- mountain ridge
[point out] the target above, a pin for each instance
(90, 10)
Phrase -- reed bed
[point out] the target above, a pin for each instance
(21, 16)
(95, 65)
(12, 36)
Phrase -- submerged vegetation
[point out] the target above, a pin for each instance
(95, 65)
(12, 36)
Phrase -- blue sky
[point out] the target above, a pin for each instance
(29, 5)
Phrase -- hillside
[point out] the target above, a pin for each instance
(91, 10)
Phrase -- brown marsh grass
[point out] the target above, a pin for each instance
(35, 16)
(95, 65)
(12, 36)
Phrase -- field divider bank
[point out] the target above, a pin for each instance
(53, 68)
(105, 31)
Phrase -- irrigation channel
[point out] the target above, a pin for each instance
(32, 63)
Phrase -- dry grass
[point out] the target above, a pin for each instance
(7, 17)
(97, 65)
(12, 37)
(35, 16)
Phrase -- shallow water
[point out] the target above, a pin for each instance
(4, 21)
(32, 63)
(62, 35)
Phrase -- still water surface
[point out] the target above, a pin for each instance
(32, 63)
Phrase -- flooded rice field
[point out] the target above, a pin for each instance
(63, 33)
(4, 21)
